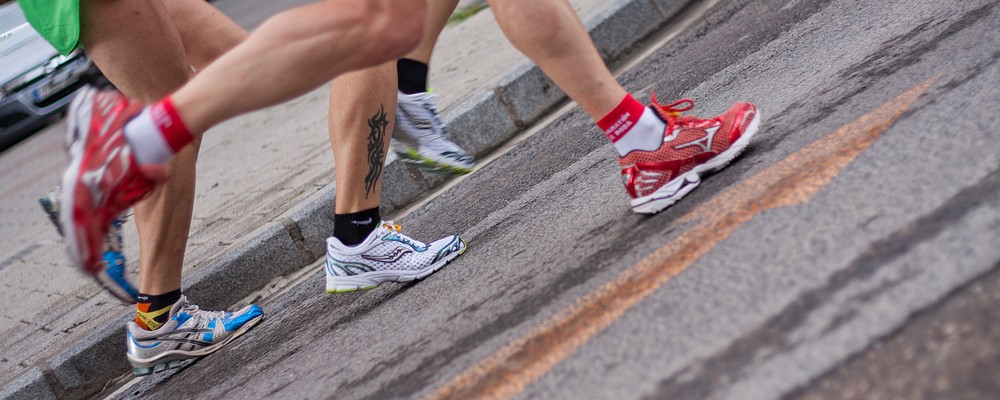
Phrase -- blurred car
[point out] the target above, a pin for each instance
(36, 82)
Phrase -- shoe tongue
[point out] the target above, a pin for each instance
(422, 96)
(178, 306)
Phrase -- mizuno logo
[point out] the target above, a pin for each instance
(389, 258)
(704, 143)
(93, 178)
(673, 135)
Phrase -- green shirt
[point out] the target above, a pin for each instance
(58, 21)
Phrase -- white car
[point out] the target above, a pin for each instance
(36, 82)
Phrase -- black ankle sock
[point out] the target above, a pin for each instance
(412, 76)
(353, 228)
(153, 310)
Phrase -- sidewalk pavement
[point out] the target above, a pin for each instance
(264, 200)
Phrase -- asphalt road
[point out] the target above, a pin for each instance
(852, 251)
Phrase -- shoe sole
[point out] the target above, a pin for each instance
(52, 211)
(174, 358)
(104, 279)
(676, 189)
(75, 144)
(371, 280)
(411, 156)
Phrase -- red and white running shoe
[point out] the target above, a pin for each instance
(692, 148)
(103, 178)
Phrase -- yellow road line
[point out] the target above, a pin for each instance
(794, 180)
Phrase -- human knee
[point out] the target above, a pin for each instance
(540, 27)
(384, 30)
(372, 31)
(391, 28)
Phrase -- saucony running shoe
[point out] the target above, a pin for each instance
(386, 255)
(421, 135)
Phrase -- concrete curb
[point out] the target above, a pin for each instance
(298, 238)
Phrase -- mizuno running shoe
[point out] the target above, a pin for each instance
(189, 333)
(103, 179)
(692, 148)
(113, 274)
(386, 255)
(422, 140)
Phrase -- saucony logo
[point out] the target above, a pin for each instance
(389, 258)
(705, 143)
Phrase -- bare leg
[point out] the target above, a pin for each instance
(206, 32)
(148, 75)
(438, 12)
(359, 102)
(362, 112)
(318, 42)
(164, 218)
(550, 34)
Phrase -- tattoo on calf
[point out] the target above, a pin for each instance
(376, 142)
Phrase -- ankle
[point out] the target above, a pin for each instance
(152, 311)
(353, 228)
(157, 133)
(632, 126)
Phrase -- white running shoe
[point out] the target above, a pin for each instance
(190, 333)
(386, 255)
(424, 141)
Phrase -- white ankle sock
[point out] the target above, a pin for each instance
(147, 143)
(632, 126)
(645, 135)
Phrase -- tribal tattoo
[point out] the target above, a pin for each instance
(376, 144)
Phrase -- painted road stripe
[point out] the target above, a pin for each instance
(794, 180)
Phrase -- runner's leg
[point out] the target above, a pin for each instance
(421, 137)
(151, 59)
(362, 111)
(182, 33)
(438, 12)
(205, 31)
(662, 156)
(550, 34)
(317, 41)
(147, 64)
(359, 103)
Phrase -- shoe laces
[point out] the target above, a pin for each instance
(399, 235)
(194, 310)
(389, 225)
(672, 112)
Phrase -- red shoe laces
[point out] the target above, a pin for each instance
(672, 112)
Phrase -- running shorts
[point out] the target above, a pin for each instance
(58, 21)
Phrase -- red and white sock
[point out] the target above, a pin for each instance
(633, 126)
(157, 133)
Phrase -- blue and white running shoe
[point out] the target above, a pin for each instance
(386, 255)
(189, 333)
(112, 277)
